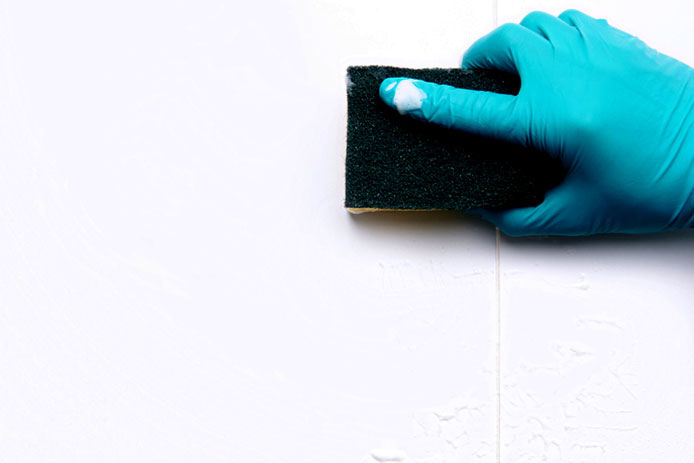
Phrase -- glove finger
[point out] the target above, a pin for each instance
(485, 113)
(548, 27)
(556, 215)
(509, 48)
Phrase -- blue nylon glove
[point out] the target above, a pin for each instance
(617, 113)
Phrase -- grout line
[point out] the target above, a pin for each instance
(495, 12)
(498, 345)
(495, 18)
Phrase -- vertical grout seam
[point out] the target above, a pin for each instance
(495, 12)
(497, 271)
(495, 19)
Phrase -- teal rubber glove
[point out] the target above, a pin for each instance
(618, 114)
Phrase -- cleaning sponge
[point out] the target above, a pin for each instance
(395, 162)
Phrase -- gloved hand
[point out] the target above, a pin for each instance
(618, 114)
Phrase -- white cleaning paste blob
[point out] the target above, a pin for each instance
(387, 455)
(407, 96)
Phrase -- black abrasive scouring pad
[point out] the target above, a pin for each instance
(395, 162)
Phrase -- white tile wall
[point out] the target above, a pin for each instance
(597, 342)
(179, 281)
(598, 333)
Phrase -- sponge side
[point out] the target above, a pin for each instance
(398, 163)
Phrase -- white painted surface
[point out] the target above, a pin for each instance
(181, 283)
(179, 279)
(597, 360)
(597, 341)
